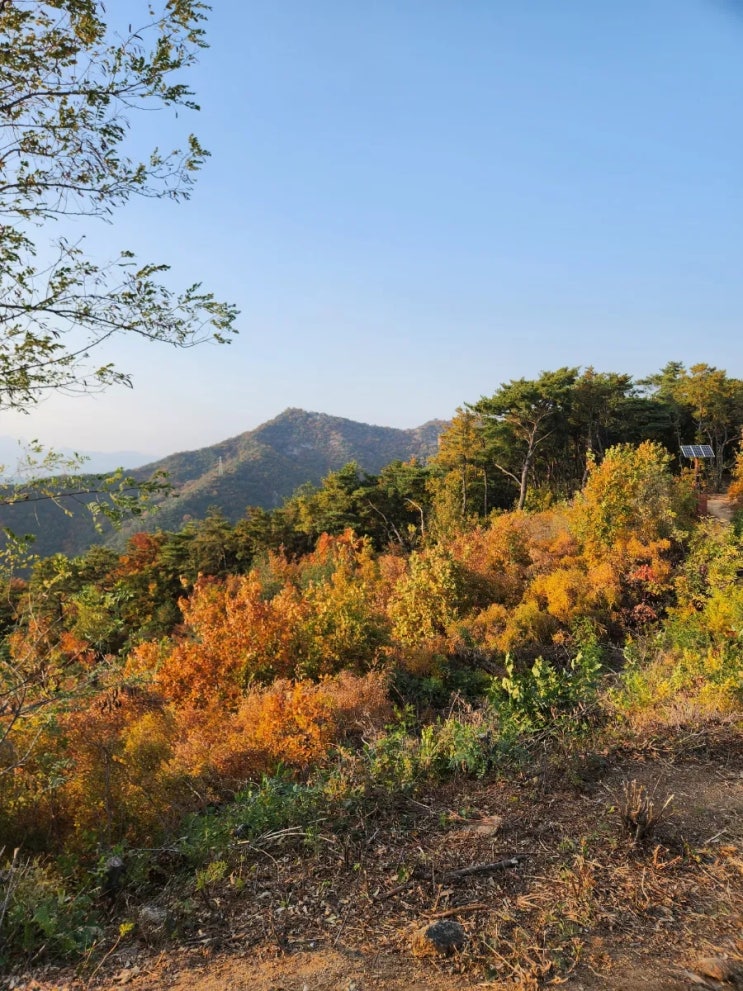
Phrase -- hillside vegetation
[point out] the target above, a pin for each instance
(179, 712)
(259, 468)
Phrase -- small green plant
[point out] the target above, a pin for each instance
(546, 695)
(456, 745)
(275, 803)
(393, 759)
(208, 879)
(212, 874)
(433, 692)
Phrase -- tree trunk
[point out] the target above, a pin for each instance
(524, 476)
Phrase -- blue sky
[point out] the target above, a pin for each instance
(412, 201)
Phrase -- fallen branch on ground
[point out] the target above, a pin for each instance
(496, 865)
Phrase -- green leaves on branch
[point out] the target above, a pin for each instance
(70, 86)
(51, 478)
(70, 83)
(51, 322)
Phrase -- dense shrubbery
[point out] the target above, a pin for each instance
(325, 677)
(695, 659)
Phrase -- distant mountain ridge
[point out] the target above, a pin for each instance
(261, 467)
(14, 457)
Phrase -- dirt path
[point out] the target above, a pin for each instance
(586, 908)
(719, 506)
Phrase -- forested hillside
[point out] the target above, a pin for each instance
(543, 587)
(259, 468)
(531, 440)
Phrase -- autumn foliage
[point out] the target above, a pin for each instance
(735, 491)
(283, 663)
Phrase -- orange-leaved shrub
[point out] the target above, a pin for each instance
(631, 520)
(296, 723)
(127, 765)
(523, 569)
(322, 618)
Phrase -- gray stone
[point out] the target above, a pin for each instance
(153, 921)
(440, 938)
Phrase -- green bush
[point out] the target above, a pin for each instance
(425, 693)
(39, 913)
(392, 760)
(545, 695)
(277, 802)
(456, 746)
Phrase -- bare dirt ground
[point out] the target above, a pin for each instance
(719, 506)
(585, 907)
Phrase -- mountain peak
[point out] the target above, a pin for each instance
(261, 467)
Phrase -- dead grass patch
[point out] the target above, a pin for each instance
(639, 812)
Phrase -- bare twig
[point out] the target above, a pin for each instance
(460, 910)
(496, 865)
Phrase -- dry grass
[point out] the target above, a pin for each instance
(639, 815)
(581, 908)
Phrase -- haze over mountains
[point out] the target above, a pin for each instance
(261, 467)
(13, 453)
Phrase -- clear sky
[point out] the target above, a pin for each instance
(412, 201)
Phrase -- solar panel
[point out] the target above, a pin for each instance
(697, 451)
